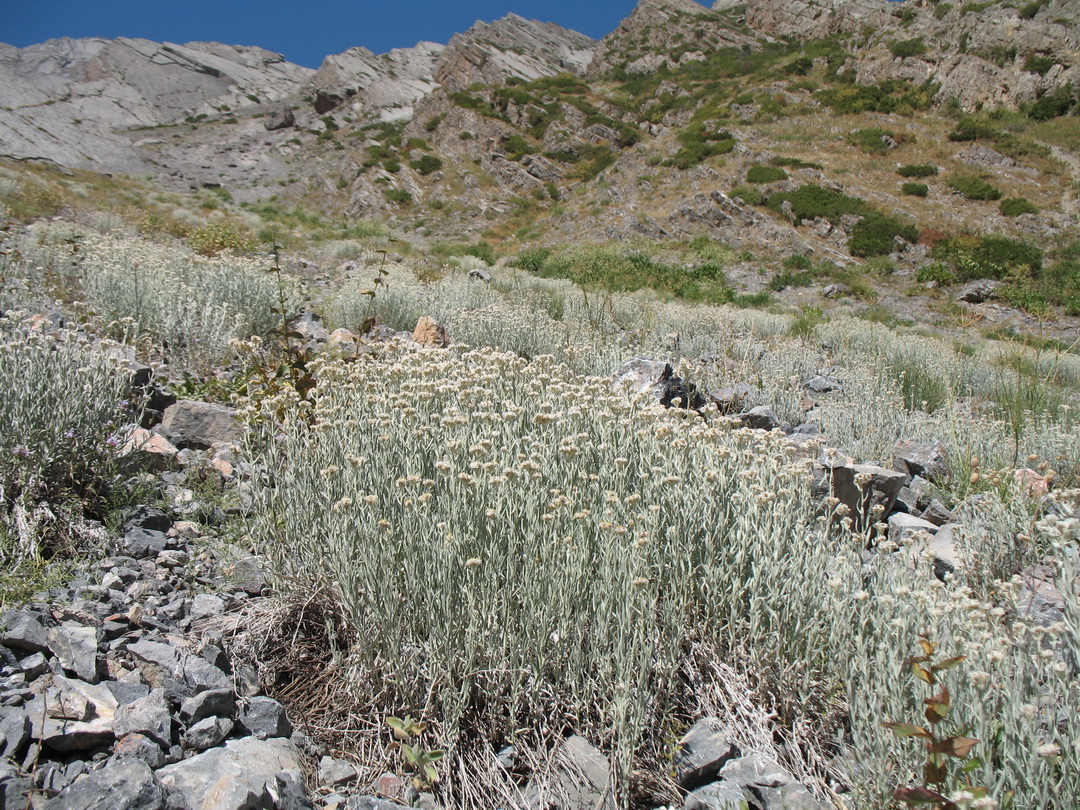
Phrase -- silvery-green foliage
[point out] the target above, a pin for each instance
(63, 404)
(518, 546)
(190, 306)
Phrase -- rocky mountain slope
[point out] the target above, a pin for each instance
(684, 121)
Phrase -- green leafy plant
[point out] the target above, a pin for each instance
(1015, 206)
(915, 189)
(416, 759)
(973, 188)
(939, 750)
(765, 174)
(917, 170)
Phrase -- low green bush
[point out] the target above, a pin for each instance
(765, 174)
(749, 195)
(915, 189)
(398, 196)
(972, 129)
(1015, 206)
(908, 47)
(973, 257)
(917, 170)
(874, 141)
(426, 164)
(875, 235)
(811, 202)
(973, 188)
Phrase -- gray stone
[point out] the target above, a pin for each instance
(14, 731)
(147, 517)
(924, 459)
(14, 786)
(480, 275)
(978, 291)
(881, 489)
(246, 574)
(143, 543)
(290, 793)
(167, 667)
(122, 784)
(946, 557)
(579, 779)
(127, 692)
(210, 703)
(822, 384)
(335, 772)
(62, 734)
(34, 665)
(280, 117)
(149, 716)
(372, 803)
(77, 648)
(24, 630)
(207, 733)
(701, 753)
(902, 527)
(264, 717)
(205, 605)
(760, 418)
(198, 425)
(140, 747)
(730, 398)
(718, 796)
(937, 513)
(241, 775)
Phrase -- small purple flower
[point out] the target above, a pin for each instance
(112, 441)
(125, 404)
(69, 433)
(21, 451)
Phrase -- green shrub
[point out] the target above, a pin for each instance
(1015, 206)
(749, 195)
(973, 188)
(432, 123)
(988, 256)
(875, 235)
(1029, 10)
(811, 202)
(917, 170)
(765, 174)
(426, 164)
(699, 143)
(480, 250)
(797, 261)
(517, 147)
(915, 189)
(940, 272)
(1038, 63)
(874, 141)
(799, 66)
(398, 196)
(941, 9)
(1052, 105)
(794, 163)
(971, 129)
(533, 260)
(908, 47)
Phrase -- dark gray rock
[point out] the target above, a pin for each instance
(264, 717)
(237, 776)
(937, 513)
(142, 748)
(210, 703)
(207, 733)
(731, 398)
(77, 648)
(14, 731)
(979, 291)
(149, 716)
(924, 459)
(246, 574)
(143, 543)
(149, 518)
(34, 665)
(53, 721)
(122, 784)
(290, 792)
(882, 487)
(175, 670)
(701, 753)
(657, 380)
(14, 785)
(24, 630)
(718, 796)
(205, 605)
(127, 692)
(902, 527)
(372, 803)
(760, 418)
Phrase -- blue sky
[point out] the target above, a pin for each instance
(303, 30)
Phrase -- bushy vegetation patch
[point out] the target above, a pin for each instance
(749, 195)
(973, 188)
(917, 170)
(892, 96)
(699, 142)
(915, 189)
(874, 141)
(811, 202)
(765, 174)
(904, 48)
(876, 234)
(973, 257)
(1015, 206)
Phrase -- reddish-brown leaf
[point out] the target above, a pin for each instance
(923, 674)
(918, 795)
(958, 746)
(928, 646)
